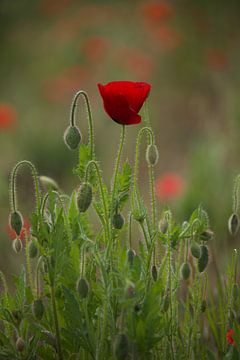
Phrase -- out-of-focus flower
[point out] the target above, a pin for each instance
(26, 227)
(166, 35)
(156, 11)
(7, 116)
(123, 100)
(229, 337)
(94, 48)
(169, 185)
(53, 7)
(216, 59)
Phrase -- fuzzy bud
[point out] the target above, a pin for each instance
(72, 137)
(84, 197)
(48, 183)
(82, 288)
(118, 221)
(38, 309)
(163, 225)
(206, 235)
(154, 273)
(235, 292)
(195, 250)
(121, 347)
(130, 256)
(152, 155)
(16, 222)
(185, 271)
(32, 249)
(17, 245)
(233, 224)
(20, 344)
(203, 260)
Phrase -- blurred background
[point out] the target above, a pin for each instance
(188, 50)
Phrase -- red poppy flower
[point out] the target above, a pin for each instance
(229, 337)
(7, 116)
(26, 227)
(169, 185)
(157, 11)
(217, 59)
(123, 100)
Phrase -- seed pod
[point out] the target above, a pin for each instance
(185, 271)
(118, 221)
(130, 256)
(84, 197)
(72, 137)
(233, 224)
(32, 249)
(163, 225)
(16, 222)
(38, 309)
(82, 288)
(166, 303)
(206, 235)
(154, 273)
(20, 344)
(152, 155)
(48, 183)
(17, 245)
(203, 306)
(235, 292)
(203, 260)
(195, 250)
(121, 347)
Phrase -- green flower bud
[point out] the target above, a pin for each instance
(48, 183)
(16, 222)
(38, 309)
(118, 221)
(233, 224)
(152, 155)
(203, 306)
(32, 249)
(163, 225)
(154, 273)
(206, 235)
(185, 271)
(235, 292)
(82, 288)
(72, 137)
(84, 197)
(203, 260)
(121, 347)
(130, 256)
(17, 245)
(195, 250)
(20, 344)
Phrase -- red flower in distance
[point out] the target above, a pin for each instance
(7, 116)
(157, 11)
(123, 100)
(229, 337)
(169, 185)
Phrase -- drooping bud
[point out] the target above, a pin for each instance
(84, 197)
(130, 256)
(195, 250)
(38, 309)
(32, 249)
(235, 292)
(121, 347)
(233, 224)
(152, 155)
(206, 235)
(72, 137)
(118, 221)
(48, 183)
(203, 306)
(20, 344)
(163, 225)
(17, 245)
(203, 260)
(154, 273)
(185, 271)
(82, 288)
(16, 222)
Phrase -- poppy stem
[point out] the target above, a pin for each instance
(90, 119)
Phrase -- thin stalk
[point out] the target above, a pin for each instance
(28, 264)
(55, 317)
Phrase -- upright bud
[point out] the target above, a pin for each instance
(130, 256)
(154, 273)
(32, 249)
(17, 245)
(195, 250)
(20, 344)
(152, 155)
(16, 222)
(118, 221)
(121, 347)
(84, 197)
(233, 224)
(72, 137)
(82, 288)
(185, 271)
(203, 260)
(38, 309)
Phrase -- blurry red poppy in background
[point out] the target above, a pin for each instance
(216, 59)
(166, 35)
(169, 185)
(94, 48)
(156, 11)
(26, 227)
(229, 337)
(123, 100)
(136, 62)
(7, 116)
